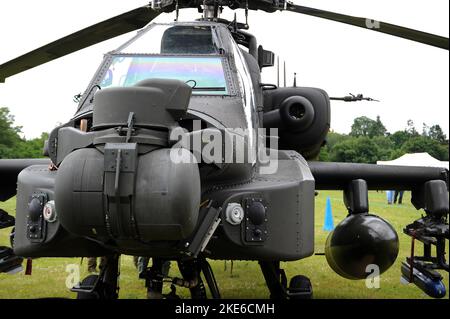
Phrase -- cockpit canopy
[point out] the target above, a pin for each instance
(204, 74)
(203, 55)
(189, 53)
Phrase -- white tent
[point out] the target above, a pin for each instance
(416, 159)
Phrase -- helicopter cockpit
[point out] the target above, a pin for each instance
(204, 74)
(184, 52)
(203, 55)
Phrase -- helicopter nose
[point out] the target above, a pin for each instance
(359, 241)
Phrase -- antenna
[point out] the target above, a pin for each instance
(246, 14)
(295, 79)
(278, 71)
(176, 10)
(284, 73)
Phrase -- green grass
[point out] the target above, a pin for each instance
(246, 281)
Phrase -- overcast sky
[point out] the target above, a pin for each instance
(410, 79)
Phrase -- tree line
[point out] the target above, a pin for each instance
(12, 145)
(368, 141)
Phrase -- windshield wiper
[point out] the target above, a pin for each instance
(209, 88)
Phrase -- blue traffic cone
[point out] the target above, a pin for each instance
(328, 224)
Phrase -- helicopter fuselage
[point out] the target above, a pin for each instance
(177, 151)
(181, 77)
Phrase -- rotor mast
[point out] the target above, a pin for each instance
(211, 9)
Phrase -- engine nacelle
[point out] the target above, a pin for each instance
(150, 202)
(302, 117)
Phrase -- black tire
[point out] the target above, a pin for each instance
(199, 292)
(88, 281)
(301, 283)
(189, 271)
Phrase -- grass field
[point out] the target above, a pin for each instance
(246, 281)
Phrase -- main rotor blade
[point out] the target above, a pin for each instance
(108, 29)
(395, 30)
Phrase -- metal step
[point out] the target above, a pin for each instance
(6, 220)
(9, 263)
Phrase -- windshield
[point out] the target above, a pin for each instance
(204, 74)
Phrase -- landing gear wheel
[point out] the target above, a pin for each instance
(190, 270)
(103, 286)
(300, 284)
(89, 281)
(299, 287)
(199, 292)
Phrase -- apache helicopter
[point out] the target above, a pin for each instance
(124, 175)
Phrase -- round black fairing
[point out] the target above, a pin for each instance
(359, 241)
